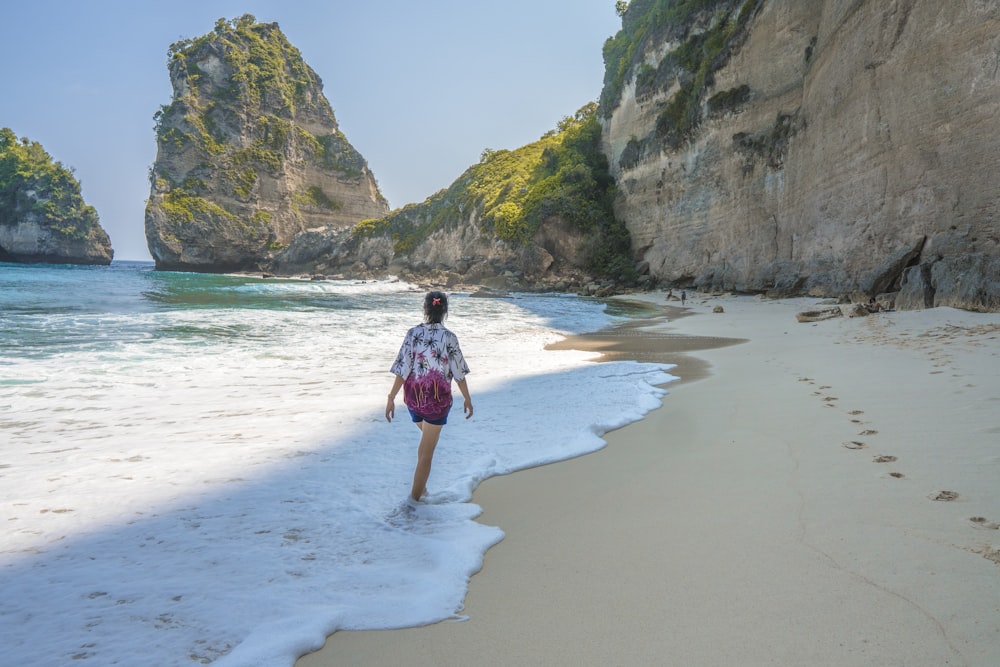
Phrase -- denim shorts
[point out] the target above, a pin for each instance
(440, 421)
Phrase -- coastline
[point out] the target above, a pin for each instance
(789, 507)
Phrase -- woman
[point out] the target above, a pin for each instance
(426, 364)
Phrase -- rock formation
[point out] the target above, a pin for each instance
(249, 154)
(43, 217)
(537, 217)
(834, 147)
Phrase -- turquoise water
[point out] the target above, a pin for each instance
(49, 309)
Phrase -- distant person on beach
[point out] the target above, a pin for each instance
(428, 361)
(684, 296)
(873, 306)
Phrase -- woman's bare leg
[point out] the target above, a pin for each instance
(429, 434)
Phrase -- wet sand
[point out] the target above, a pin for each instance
(644, 338)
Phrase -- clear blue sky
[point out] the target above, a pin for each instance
(419, 88)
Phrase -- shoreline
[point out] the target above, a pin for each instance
(789, 507)
(644, 338)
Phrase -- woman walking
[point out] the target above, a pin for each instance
(428, 360)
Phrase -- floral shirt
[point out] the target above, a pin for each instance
(429, 359)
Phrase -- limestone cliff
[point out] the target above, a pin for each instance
(834, 147)
(43, 217)
(539, 216)
(249, 154)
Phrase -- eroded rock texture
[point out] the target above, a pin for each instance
(841, 147)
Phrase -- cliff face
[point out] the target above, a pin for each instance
(539, 216)
(835, 147)
(43, 217)
(466, 253)
(249, 154)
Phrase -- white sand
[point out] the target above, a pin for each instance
(733, 525)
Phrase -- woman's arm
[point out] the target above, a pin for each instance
(390, 407)
(463, 386)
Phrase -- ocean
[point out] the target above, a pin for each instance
(197, 469)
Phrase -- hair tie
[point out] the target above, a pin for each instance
(436, 301)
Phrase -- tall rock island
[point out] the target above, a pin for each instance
(43, 217)
(249, 154)
(829, 147)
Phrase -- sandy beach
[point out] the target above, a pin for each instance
(821, 493)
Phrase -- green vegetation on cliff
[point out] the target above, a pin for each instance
(703, 31)
(33, 185)
(514, 192)
(266, 70)
(315, 197)
(182, 207)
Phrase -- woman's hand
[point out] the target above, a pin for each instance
(467, 408)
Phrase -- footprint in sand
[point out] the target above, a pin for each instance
(897, 475)
(885, 459)
(984, 523)
(943, 495)
(989, 553)
(856, 412)
(868, 431)
(854, 444)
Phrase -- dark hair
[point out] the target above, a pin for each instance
(435, 307)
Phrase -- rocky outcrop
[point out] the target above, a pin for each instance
(43, 217)
(537, 217)
(832, 148)
(249, 154)
(463, 254)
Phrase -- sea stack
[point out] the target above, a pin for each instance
(249, 154)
